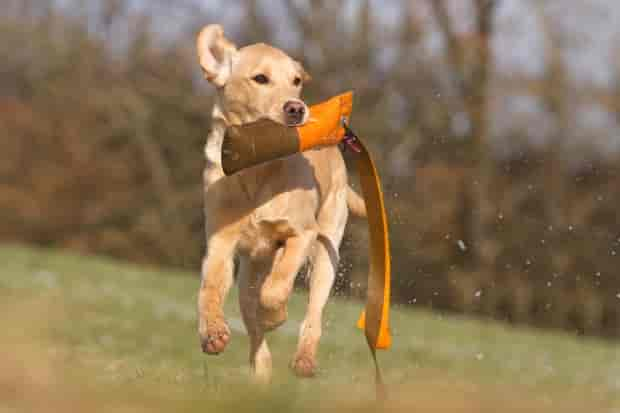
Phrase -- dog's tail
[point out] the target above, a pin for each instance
(356, 203)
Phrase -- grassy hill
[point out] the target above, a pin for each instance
(101, 335)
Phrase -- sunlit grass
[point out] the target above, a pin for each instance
(127, 335)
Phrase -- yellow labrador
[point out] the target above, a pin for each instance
(274, 216)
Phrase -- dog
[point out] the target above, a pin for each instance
(272, 217)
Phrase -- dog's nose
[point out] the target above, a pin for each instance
(294, 112)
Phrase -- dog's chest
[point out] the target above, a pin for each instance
(267, 227)
(271, 209)
(269, 203)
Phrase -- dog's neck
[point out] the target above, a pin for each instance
(213, 148)
(221, 120)
(213, 153)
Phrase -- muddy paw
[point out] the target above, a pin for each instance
(214, 336)
(304, 366)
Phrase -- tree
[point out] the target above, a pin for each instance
(470, 60)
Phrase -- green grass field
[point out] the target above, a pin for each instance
(88, 331)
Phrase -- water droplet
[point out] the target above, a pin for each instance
(462, 245)
(478, 293)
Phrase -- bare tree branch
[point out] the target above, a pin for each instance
(454, 49)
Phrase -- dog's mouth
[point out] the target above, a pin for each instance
(295, 123)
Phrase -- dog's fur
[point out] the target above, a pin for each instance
(274, 216)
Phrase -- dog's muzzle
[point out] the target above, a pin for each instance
(294, 112)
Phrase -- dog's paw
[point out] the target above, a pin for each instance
(304, 366)
(274, 295)
(272, 319)
(214, 335)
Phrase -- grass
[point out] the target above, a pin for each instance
(108, 336)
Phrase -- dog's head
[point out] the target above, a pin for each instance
(254, 82)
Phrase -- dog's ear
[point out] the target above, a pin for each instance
(215, 54)
(305, 77)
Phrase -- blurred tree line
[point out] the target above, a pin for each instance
(103, 118)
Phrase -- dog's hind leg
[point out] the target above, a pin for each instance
(250, 278)
(332, 222)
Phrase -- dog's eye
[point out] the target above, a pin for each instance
(261, 79)
(297, 81)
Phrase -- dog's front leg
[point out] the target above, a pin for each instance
(278, 284)
(217, 278)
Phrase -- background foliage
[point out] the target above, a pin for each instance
(495, 211)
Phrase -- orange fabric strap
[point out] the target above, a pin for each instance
(375, 319)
